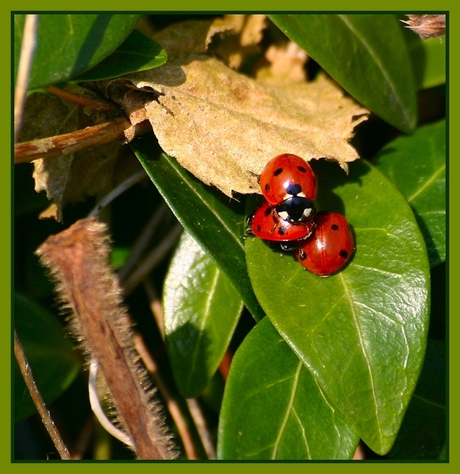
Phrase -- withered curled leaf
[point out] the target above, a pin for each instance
(224, 126)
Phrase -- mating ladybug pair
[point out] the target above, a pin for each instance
(323, 242)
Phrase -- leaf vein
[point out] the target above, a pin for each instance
(289, 408)
(427, 183)
(364, 351)
(378, 62)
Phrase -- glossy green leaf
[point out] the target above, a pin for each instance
(361, 332)
(274, 409)
(216, 222)
(416, 165)
(137, 53)
(51, 355)
(366, 54)
(201, 310)
(423, 433)
(69, 44)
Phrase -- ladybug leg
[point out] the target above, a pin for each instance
(272, 231)
(276, 224)
(248, 231)
(302, 254)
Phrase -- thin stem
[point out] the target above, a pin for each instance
(171, 404)
(83, 101)
(156, 306)
(152, 260)
(144, 240)
(120, 189)
(39, 403)
(97, 409)
(202, 427)
(24, 66)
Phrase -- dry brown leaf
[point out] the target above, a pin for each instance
(234, 36)
(192, 36)
(72, 177)
(427, 26)
(223, 126)
(46, 115)
(285, 64)
(243, 37)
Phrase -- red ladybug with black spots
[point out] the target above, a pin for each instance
(267, 224)
(330, 247)
(288, 183)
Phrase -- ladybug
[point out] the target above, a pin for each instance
(267, 224)
(330, 247)
(289, 183)
(287, 176)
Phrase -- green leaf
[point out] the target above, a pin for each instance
(366, 54)
(216, 222)
(201, 310)
(416, 165)
(51, 357)
(137, 53)
(274, 409)
(423, 432)
(428, 59)
(435, 62)
(70, 44)
(361, 332)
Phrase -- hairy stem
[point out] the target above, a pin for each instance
(78, 260)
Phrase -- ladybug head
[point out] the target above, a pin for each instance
(296, 209)
(294, 189)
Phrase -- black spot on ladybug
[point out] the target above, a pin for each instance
(267, 187)
(282, 230)
(267, 212)
(278, 171)
(259, 228)
(343, 253)
(302, 169)
(334, 227)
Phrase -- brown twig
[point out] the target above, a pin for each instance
(202, 427)
(39, 403)
(85, 102)
(72, 142)
(155, 304)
